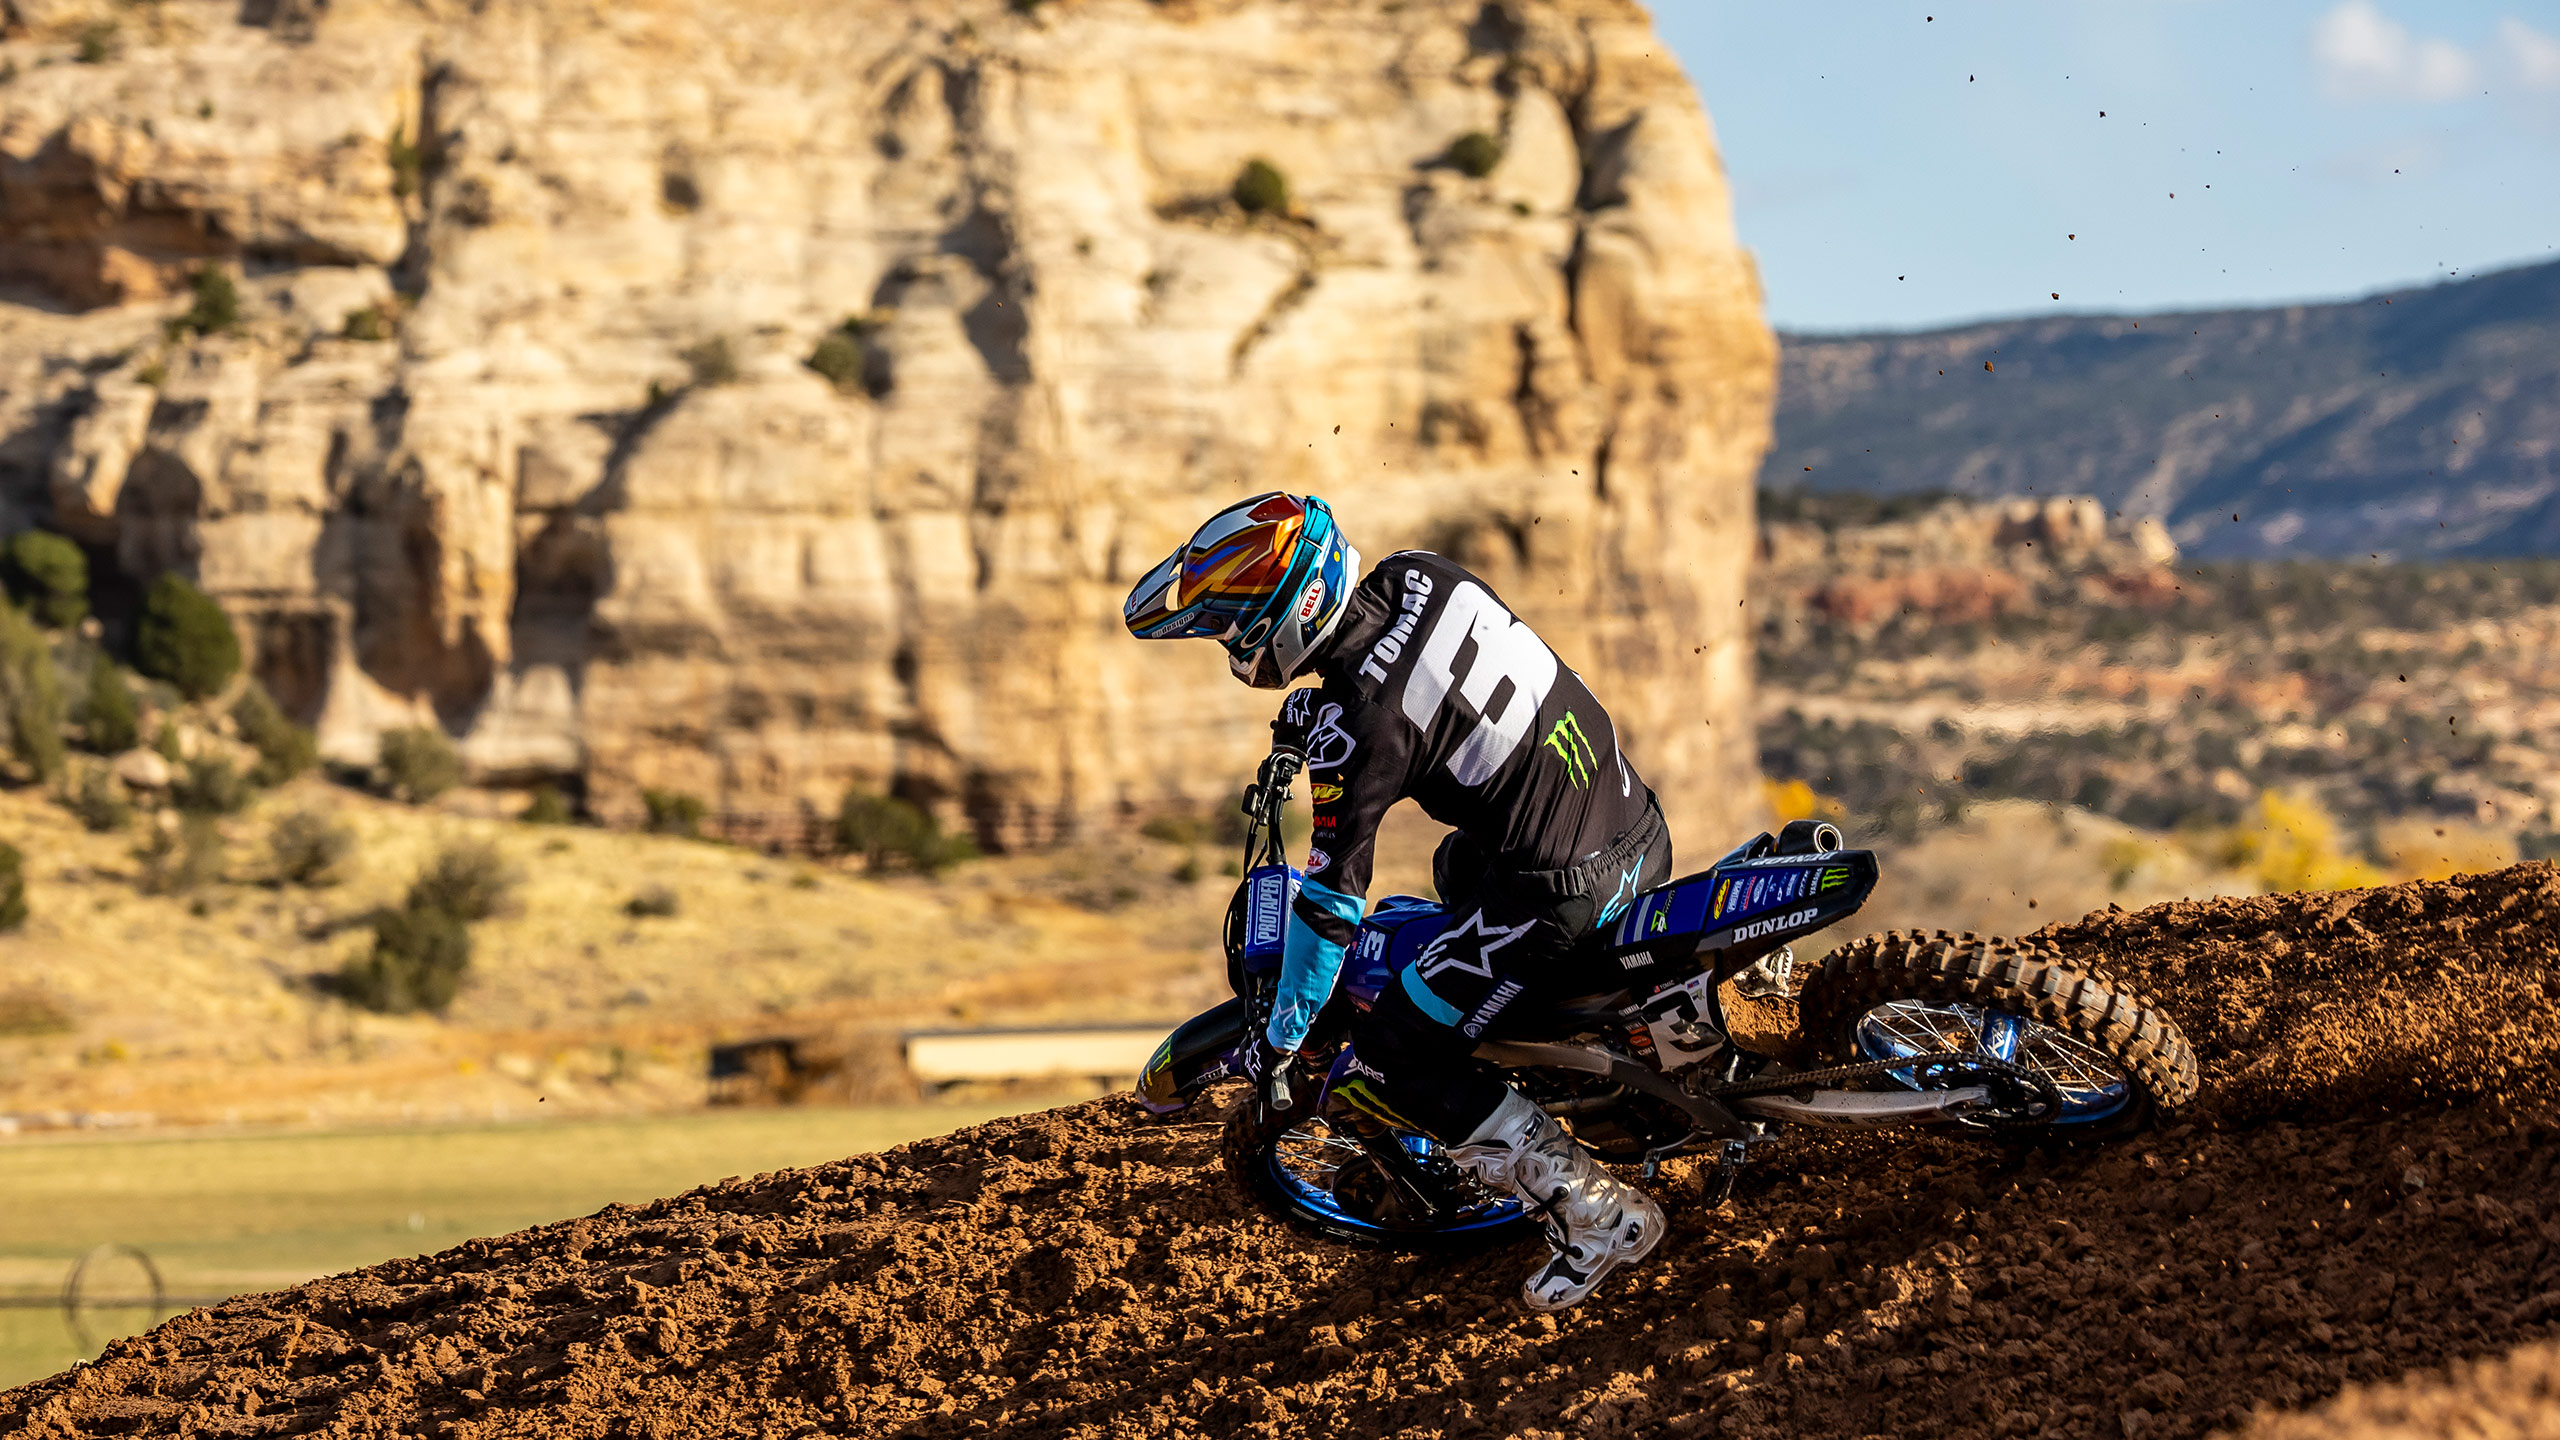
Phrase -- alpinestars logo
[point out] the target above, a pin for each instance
(1625, 892)
(1489, 938)
(1330, 745)
(1573, 748)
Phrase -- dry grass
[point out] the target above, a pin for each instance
(199, 1007)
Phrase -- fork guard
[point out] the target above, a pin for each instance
(1196, 1055)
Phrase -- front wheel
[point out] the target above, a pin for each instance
(2114, 1059)
(1350, 1179)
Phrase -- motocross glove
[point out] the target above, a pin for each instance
(1268, 1069)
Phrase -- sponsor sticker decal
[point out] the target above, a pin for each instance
(1324, 793)
(1573, 748)
(1311, 601)
(1317, 860)
(1502, 995)
(1757, 928)
(1724, 892)
(1269, 897)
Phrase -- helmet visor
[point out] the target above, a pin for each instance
(1154, 610)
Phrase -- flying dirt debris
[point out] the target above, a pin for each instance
(2367, 1192)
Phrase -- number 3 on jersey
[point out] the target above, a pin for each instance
(1505, 649)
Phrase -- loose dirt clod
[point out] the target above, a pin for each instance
(2367, 1190)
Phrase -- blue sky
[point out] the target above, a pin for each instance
(1894, 171)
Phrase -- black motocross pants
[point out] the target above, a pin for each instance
(1497, 973)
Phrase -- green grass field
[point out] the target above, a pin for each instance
(223, 1214)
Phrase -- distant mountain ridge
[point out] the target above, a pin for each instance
(2408, 423)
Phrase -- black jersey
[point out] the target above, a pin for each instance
(1434, 690)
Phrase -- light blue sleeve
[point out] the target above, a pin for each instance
(1309, 964)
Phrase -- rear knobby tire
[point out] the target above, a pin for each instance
(2021, 978)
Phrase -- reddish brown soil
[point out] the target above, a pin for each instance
(2514, 1397)
(2349, 1205)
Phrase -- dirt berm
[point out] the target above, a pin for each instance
(2368, 1195)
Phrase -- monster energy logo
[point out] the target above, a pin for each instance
(1571, 747)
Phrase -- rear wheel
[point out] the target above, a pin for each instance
(2114, 1059)
(1353, 1181)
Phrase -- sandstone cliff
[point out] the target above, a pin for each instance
(517, 432)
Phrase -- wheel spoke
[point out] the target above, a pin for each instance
(2090, 1083)
(1315, 1159)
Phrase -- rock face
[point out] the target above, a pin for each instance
(518, 431)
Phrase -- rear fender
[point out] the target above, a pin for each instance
(1198, 1054)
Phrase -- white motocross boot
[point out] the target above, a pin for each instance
(1595, 1221)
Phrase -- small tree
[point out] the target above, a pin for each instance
(310, 849)
(419, 764)
(884, 830)
(100, 801)
(846, 356)
(110, 716)
(1261, 189)
(30, 694)
(47, 574)
(210, 785)
(285, 750)
(672, 812)
(217, 307)
(13, 887)
(417, 963)
(421, 950)
(468, 882)
(711, 362)
(1474, 154)
(186, 858)
(185, 638)
(548, 807)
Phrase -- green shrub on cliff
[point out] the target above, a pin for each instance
(210, 785)
(310, 849)
(884, 830)
(1261, 189)
(672, 812)
(30, 694)
(1474, 154)
(216, 310)
(110, 716)
(285, 750)
(185, 638)
(419, 764)
(13, 887)
(47, 574)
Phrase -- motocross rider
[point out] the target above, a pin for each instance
(1432, 690)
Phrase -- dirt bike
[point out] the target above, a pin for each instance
(1991, 1036)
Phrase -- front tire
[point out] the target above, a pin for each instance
(1321, 1177)
(2078, 1030)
